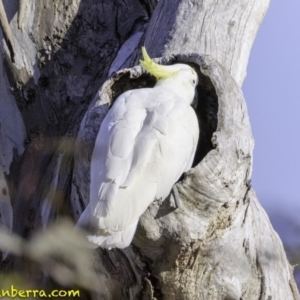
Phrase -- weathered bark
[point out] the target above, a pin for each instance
(220, 244)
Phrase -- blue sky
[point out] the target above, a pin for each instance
(272, 92)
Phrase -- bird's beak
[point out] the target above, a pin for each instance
(195, 100)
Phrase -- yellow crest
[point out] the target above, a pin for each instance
(159, 71)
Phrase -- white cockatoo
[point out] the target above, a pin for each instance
(146, 141)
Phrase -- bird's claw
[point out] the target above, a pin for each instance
(177, 201)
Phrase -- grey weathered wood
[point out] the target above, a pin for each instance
(219, 244)
(62, 56)
(223, 29)
(7, 32)
(214, 236)
(21, 12)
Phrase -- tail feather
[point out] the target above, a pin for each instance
(120, 239)
(107, 193)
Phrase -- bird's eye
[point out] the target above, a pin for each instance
(194, 81)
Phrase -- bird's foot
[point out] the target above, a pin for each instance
(175, 200)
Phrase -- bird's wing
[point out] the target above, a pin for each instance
(166, 144)
(124, 143)
(114, 147)
(145, 136)
(155, 126)
(176, 150)
(191, 124)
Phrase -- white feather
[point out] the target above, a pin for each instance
(146, 141)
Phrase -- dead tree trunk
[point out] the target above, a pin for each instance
(220, 244)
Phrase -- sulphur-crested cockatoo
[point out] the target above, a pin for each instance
(146, 141)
